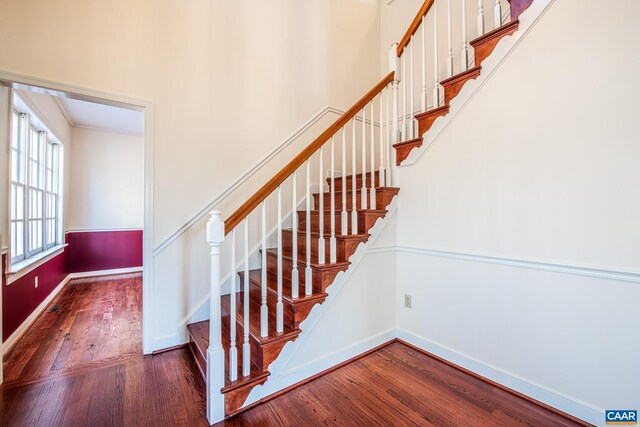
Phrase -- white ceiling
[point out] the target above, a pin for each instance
(102, 117)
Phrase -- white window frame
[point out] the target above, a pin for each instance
(40, 184)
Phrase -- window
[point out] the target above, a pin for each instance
(35, 185)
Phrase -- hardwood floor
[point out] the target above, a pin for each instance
(91, 322)
(96, 375)
(159, 390)
(398, 386)
(81, 364)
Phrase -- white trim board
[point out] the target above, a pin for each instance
(550, 397)
(100, 230)
(17, 334)
(99, 273)
(249, 173)
(555, 267)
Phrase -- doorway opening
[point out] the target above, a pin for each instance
(76, 209)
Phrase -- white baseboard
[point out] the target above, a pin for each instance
(98, 273)
(17, 334)
(168, 341)
(538, 392)
(282, 380)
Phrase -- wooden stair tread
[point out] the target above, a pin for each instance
(314, 265)
(416, 142)
(327, 211)
(199, 332)
(460, 76)
(327, 233)
(338, 190)
(432, 112)
(254, 319)
(496, 32)
(485, 44)
(255, 279)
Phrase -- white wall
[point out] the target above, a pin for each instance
(106, 188)
(539, 172)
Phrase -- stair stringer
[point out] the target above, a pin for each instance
(527, 20)
(282, 376)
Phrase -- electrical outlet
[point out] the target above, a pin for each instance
(407, 301)
(36, 281)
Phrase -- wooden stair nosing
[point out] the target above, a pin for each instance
(254, 320)
(273, 252)
(255, 279)
(496, 32)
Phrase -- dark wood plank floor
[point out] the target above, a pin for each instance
(98, 377)
(398, 386)
(160, 390)
(91, 322)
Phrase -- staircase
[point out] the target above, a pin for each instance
(296, 309)
(291, 243)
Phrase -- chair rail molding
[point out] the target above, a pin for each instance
(601, 272)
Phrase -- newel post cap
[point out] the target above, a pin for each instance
(215, 228)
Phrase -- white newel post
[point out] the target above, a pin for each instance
(215, 352)
(394, 65)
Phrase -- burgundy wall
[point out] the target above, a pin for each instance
(21, 297)
(104, 250)
(87, 251)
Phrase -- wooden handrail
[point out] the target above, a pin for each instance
(414, 26)
(255, 200)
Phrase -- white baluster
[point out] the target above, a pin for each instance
(215, 351)
(279, 306)
(394, 129)
(497, 13)
(381, 177)
(405, 99)
(480, 18)
(465, 50)
(264, 310)
(449, 45)
(294, 237)
(332, 239)
(363, 190)
(412, 110)
(354, 213)
(307, 271)
(423, 98)
(233, 350)
(372, 190)
(436, 82)
(345, 217)
(321, 242)
(246, 347)
(387, 170)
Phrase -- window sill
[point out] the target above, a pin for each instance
(21, 268)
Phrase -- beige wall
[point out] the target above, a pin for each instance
(106, 182)
(228, 81)
(518, 226)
